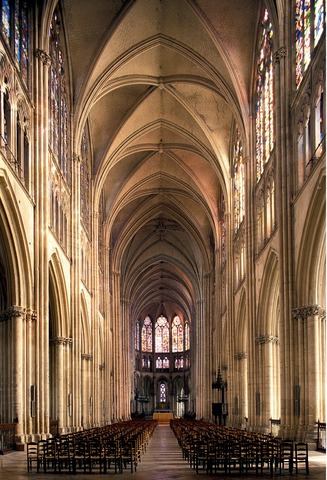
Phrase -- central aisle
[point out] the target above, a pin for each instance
(163, 458)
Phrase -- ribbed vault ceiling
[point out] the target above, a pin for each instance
(161, 83)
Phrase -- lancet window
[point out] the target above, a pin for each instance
(85, 191)
(264, 118)
(239, 181)
(14, 27)
(58, 97)
(165, 342)
(177, 334)
(310, 22)
(137, 336)
(147, 335)
(162, 335)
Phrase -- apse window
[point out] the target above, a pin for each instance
(162, 392)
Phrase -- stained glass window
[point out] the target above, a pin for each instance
(147, 335)
(137, 336)
(309, 25)
(177, 333)
(85, 182)
(14, 27)
(264, 125)
(162, 335)
(58, 97)
(165, 362)
(187, 336)
(21, 36)
(162, 392)
(159, 363)
(239, 183)
(6, 20)
(319, 22)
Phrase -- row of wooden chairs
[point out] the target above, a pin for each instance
(219, 449)
(115, 446)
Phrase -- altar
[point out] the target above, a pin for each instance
(163, 416)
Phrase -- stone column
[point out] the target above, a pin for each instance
(268, 390)
(117, 346)
(30, 365)
(41, 222)
(126, 332)
(87, 392)
(17, 316)
(309, 389)
(76, 381)
(242, 392)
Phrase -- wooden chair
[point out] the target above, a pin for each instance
(112, 454)
(284, 458)
(129, 454)
(32, 452)
(50, 455)
(80, 462)
(94, 456)
(266, 456)
(301, 456)
(65, 455)
(250, 455)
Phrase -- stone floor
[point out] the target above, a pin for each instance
(162, 461)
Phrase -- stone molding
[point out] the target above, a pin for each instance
(102, 366)
(267, 338)
(308, 311)
(240, 356)
(43, 56)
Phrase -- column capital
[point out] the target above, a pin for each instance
(61, 341)
(267, 338)
(31, 315)
(308, 311)
(279, 54)
(12, 312)
(87, 356)
(43, 56)
(240, 356)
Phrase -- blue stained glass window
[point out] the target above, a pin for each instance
(319, 20)
(309, 26)
(6, 19)
(14, 27)
(58, 97)
(264, 127)
(162, 392)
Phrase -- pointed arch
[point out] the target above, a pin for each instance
(240, 399)
(85, 326)
(268, 305)
(268, 402)
(14, 253)
(311, 272)
(58, 299)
